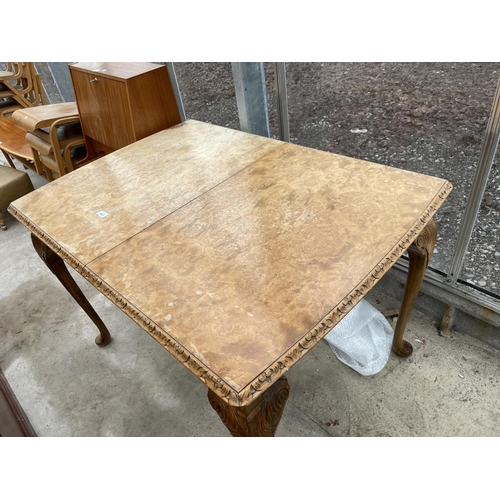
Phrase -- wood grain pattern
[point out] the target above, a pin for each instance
(273, 249)
(252, 251)
(12, 139)
(104, 109)
(152, 103)
(145, 182)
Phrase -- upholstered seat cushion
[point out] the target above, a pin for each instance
(13, 185)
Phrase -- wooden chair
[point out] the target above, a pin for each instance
(7, 103)
(54, 136)
(13, 72)
(36, 94)
(59, 149)
(26, 89)
(47, 139)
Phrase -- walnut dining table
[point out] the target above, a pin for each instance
(236, 253)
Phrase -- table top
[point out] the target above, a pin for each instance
(236, 252)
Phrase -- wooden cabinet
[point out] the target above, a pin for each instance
(120, 103)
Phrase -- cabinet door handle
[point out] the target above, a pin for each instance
(93, 80)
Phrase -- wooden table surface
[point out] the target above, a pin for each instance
(237, 253)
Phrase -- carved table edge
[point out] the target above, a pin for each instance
(268, 377)
(41, 235)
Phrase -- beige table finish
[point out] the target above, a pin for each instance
(237, 253)
(139, 185)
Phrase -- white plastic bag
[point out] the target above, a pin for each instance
(363, 339)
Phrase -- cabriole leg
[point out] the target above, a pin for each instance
(420, 253)
(59, 269)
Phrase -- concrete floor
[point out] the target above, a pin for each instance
(68, 386)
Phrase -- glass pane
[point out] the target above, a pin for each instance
(272, 107)
(482, 261)
(424, 117)
(207, 92)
